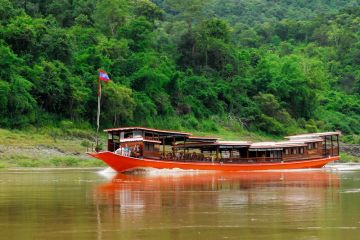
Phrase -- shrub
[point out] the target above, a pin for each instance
(65, 162)
(209, 126)
(270, 125)
(82, 134)
(28, 163)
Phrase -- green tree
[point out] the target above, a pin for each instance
(139, 33)
(118, 104)
(57, 91)
(6, 11)
(148, 9)
(56, 45)
(110, 15)
(21, 104)
(192, 11)
(4, 95)
(23, 33)
(291, 83)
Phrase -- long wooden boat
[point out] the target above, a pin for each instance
(138, 147)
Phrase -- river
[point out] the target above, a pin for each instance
(94, 204)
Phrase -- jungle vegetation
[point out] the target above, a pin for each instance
(277, 67)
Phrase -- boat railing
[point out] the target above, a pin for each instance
(250, 160)
(334, 151)
(152, 138)
(200, 157)
(191, 157)
(267, 159)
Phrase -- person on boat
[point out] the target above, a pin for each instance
(136, 151)
(127, 151)
(119, 151)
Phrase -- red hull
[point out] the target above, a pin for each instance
(122, 164)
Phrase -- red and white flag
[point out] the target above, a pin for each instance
(103, 76)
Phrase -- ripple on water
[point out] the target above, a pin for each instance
(327, 228)
(343, 167)
(355, 190)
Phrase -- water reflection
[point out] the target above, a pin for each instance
(133, 190)
(216, 199)
(64, 204)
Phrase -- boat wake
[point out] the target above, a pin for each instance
(356, 190)
(151, 172)
(169, 172)
(343, 167)
(108, 173)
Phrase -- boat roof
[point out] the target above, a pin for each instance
(306, 140)
(234, 143)
(202, 139)
(154, 130)
(138, 139)
(198, 141)
(215, 144)
(313, 135)
(253, 146)
(276, 145)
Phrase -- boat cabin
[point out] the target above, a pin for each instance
(217, 151)
(158, 144)
(143, 142)
(319, 144)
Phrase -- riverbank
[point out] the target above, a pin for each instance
(57, 148)
(350, 152)
(45, 148)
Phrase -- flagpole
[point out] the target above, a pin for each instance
(102, 77)
(98, 116)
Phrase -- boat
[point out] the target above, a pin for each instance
(131, 148)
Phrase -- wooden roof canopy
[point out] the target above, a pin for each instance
(278, 144)
(189, 141)
(153, 130)
(221, 144)
(168, 136)
(313, 135)
(201, 139)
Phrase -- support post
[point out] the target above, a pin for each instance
(184, 144)
(163, 143)
(173, 146)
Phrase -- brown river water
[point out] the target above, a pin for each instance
(169, 204)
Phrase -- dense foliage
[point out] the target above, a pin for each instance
(273, 66)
